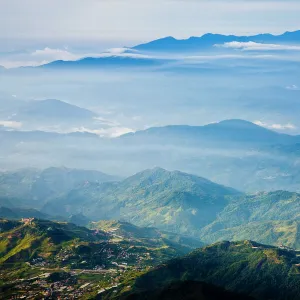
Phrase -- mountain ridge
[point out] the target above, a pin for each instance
(170, 200)
(105, 62)
(236, 130)
(52, 108)
(208, 40)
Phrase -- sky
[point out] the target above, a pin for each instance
(34, 32)
(98, 24)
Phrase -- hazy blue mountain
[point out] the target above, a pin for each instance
(234, 153)
(51, 109)
(15, 137)
(172, 201)
(207, 41)
(32, 187)
(46, 115)
(226, 133)
(105, 62)
(19, 213)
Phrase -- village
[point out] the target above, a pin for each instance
(63, 284)
(76, 271)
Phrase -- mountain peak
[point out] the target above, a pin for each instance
(238, 123)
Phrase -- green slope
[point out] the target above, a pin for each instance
(59, 244)
(271, 218)
(148, 236)
(22, 242)
(172, 201)
(278, 233)
(246, 267)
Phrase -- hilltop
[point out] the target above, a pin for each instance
(169, 200)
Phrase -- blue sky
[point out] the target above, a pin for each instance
(102, 23)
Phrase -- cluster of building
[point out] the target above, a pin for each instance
(281, 246)
(38, 262)
(27, 221)
(42, 289)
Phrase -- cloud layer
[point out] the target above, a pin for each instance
(276, 126)
(110, 132)
(11, 124)
(253, 46)
(46, 55)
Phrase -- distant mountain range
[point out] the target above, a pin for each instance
(207, 41)
(51, 114)
(33, 187)
(232, 133)
(225, 133)
(51, 109)
(235, 153)
(131, 58)
(229, 133)
(106, 62)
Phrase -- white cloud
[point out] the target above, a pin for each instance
(111, 132)
(49, 54)
(276, 126)
(253, 46)
(292, 87)
(11, 124)
(120, 50)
